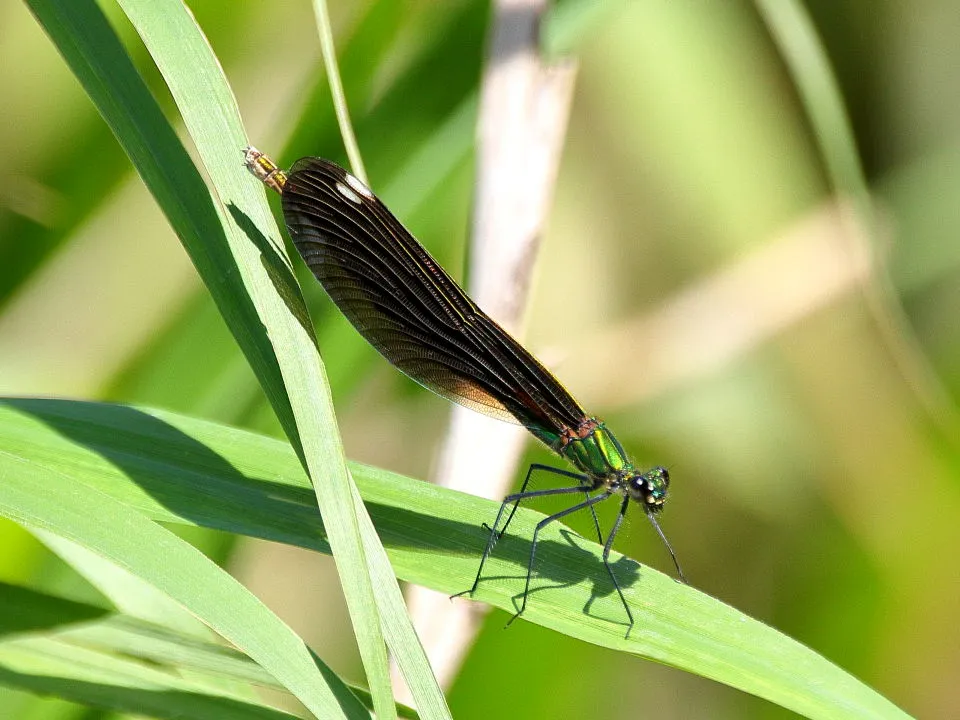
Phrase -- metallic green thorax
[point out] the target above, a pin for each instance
(593, 449)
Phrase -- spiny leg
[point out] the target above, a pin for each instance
(656, 526)
(491, 541)
(606, 556)
(589, 502)
(593, 514)
(557, 471)
(516, 498)
(588, 487)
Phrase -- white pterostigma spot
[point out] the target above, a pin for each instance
(348, 193)
(359, 186)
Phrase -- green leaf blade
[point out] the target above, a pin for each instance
(434, 538)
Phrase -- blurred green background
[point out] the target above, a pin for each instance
(815, 483)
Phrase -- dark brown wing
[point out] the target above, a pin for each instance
(409, 309)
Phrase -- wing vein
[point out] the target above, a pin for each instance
(406, 305)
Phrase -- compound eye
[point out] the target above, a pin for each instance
(664, 475)
(640, 486)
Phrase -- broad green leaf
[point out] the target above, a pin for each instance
(46, 499)
(177, 469)
(54, 646)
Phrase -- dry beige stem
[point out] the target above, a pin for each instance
(524, 107)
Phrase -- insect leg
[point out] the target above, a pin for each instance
(522, 495)
(589, 502)
(515, 499)
(606, 555)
